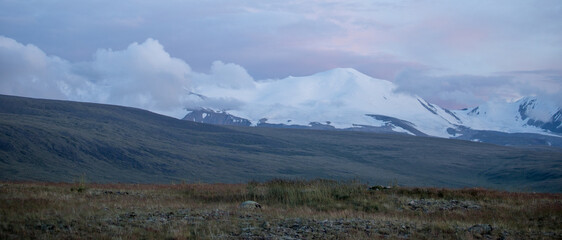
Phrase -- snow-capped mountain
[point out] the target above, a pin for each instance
(344, 98)
(527, 115)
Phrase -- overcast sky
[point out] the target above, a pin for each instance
(453, 53)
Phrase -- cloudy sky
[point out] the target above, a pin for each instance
(149, 54)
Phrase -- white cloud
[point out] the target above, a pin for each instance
(25, 70)
(142, 75)
(221, 103)
(459, 91)
(226, 75)
(217, 87)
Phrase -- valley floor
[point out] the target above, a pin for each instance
(319, 209)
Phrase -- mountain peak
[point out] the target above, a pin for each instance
(342, 72)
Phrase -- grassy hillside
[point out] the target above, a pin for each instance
(317, 209)
(46, 140)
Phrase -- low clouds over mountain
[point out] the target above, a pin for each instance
(145, 75)
(142, 75)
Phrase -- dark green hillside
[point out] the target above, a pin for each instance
(50, 140)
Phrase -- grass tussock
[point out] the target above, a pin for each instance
(296, 208)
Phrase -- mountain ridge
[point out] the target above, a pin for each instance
(53, 140)
(345, 99)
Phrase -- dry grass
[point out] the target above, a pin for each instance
(298, 209)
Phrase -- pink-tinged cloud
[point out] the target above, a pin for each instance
(275, 39)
